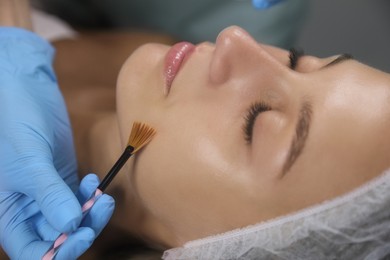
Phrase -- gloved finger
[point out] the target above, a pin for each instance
(55, 199)
(44, 230)
(34, 250)
(20, 240)
(76, 244)
(97, 218)
(99, 215)
(87, 187)
(101, 212)
(264, 4)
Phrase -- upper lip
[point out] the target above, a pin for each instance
(174, 60)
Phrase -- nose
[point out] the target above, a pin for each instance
(237, 54)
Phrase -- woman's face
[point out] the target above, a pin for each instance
(242, 137)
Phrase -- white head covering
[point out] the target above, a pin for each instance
(353, 226)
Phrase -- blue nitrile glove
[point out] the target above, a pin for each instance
(92, 224)
(264, 4)
(37, 158)
(26, 234)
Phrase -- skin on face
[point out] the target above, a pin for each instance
(199, 176)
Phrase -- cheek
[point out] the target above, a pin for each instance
(179, 158)
(140, 87)
(185, 172)
(174, 182)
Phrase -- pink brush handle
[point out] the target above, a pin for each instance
(50, 254)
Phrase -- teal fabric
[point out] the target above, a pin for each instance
(190, 20)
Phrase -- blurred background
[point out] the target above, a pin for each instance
(358, 27)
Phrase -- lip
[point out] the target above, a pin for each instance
(174, 61)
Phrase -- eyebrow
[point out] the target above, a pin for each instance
(303, 126)
(301, 133)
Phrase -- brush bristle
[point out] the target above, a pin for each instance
(140, 135)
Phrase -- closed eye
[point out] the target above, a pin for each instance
(294, 55)
(254, 110)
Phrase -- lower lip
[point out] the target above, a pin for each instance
(174, 60)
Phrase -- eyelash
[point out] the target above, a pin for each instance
(294, 55)
(250, 118)
(259, 107)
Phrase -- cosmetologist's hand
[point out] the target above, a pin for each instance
(264, 4)
(27, 235)
(37, 160)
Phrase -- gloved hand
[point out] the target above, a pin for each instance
(92, 224)
(264, 4)
(26, 234)
(37, 160)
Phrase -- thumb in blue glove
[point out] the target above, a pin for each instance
(264, 4)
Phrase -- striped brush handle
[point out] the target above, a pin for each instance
(51, 253)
